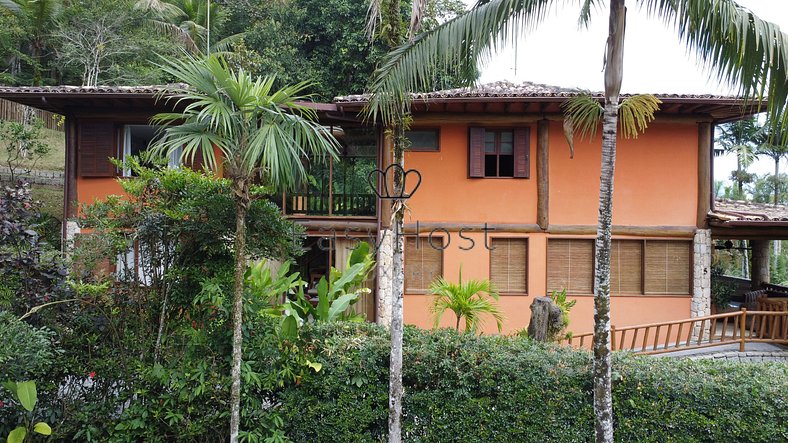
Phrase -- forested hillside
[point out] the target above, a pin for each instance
(119, 42)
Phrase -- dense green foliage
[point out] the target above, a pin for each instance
(298, 40)
(513, 390)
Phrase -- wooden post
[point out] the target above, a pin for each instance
(704, 173)
(386, 159)
(743, 328)
(613, 337)
(542, 174)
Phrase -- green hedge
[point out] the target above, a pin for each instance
(504, 389)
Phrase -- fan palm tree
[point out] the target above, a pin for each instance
(736, 46)
(260, 133)
(470, 301)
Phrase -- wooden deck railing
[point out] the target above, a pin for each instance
(700, 332)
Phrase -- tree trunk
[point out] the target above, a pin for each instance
(739, 182)
(397, 290)
(603, 398)
(776, 179)
(241, 208)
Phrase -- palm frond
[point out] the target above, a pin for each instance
(734, 45)
(254, 127)
(11, 6)
(467, 39)
(635, 113)
(374, 17)
(584, 114)
(470, 300)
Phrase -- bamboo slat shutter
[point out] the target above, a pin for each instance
(626, 267)
(522, 164)
(667, 267)
(476, 153)
(95, 147)
(423, 264)
(570, 266)
(509, 265)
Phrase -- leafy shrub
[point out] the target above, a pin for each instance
(509, 389)
(26, 353)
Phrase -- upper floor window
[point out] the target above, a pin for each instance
(499, 152)
(427, 140)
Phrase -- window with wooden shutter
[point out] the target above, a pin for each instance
(96, 145)
(509, 265)
(626, 267)
(423, 262)
(499, 152)
(522, 165)
(476, 153)
(570, 265)
(667, 267)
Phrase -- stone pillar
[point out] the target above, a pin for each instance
(760, 263)
(700, 305)
(701, 290)
(383, 295)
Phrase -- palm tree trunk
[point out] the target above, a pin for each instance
(739, 183)
(241, 208)
(776, 179)
(603, 397)
(398, 288)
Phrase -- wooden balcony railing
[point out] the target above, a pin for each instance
(701, 332)
(334, 204)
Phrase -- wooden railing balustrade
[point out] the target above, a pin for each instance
(700, 332)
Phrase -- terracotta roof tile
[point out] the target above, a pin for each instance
(733, 210)
(505, 89)
(153, 89)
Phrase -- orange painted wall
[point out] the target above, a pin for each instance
(447, 194)
(655, 184)
(90, 189)
(625, 310)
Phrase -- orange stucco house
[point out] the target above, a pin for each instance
(500, 195)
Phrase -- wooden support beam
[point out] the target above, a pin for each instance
(427, 227)
(704, 173)
(640, 231)
(386, 159)
(542, 174)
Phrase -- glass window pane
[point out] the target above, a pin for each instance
(423, 139)
(506, 136)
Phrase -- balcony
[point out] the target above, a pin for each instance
(339, 187)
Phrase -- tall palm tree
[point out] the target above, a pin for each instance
(189, 22)
(39, 16)
(735, 45)
(739, 138)
(261, 133)
(773, 144)
(470, 300)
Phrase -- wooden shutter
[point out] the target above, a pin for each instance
(423, 264)
(476, 153)
(570, 266)
(667, 267)
(626, 267)
(95, 147)
(509, 265)
(522, 150)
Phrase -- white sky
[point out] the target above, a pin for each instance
(559, 53)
